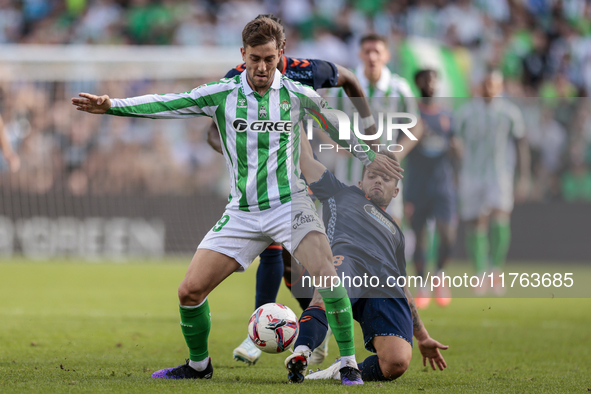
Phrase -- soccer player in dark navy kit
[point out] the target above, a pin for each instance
(364, 240)
(430, 190)
(275, 263)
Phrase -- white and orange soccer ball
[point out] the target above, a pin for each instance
(273, 328)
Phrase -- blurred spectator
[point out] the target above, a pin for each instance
(542, 46)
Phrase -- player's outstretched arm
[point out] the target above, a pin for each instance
(350, 84)
(428, 346)
(91, 103)
(311, 168)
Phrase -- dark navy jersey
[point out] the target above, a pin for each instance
(368, 239)
(429, 169)
(312, 72)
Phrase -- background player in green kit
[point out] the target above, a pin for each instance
(265, 187)
(386, 92)
(488, 128)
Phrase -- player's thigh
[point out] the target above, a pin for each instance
(445, 214)
(499, 194)
(314, 253)
(206, 271)
(473, 199)
(418, 221)
(383, 317)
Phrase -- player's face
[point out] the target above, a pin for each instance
(427, 84)
(492, 85)
(261, 62)
(374, 55)
(380, 189)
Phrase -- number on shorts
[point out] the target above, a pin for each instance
(338, 260)
(222, 222)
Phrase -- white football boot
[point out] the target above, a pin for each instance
(247, 352)
(332, 372)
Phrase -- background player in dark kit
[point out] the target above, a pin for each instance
(430, 190)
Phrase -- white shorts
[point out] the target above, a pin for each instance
(244, 235)
(480, 197)
(396, 207)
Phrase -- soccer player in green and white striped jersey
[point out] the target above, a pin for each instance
(487, 128)
(257, 114)
(386, 92)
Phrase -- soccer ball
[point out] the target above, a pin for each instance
(273, 328)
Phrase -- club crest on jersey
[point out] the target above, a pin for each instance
(285, 105)
(262, 112)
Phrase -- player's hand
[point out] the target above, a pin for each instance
(384, 165)
(429, 348)
(92, 104)
(371, 130)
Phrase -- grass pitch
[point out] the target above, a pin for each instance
(83, 327)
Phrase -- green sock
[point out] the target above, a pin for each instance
(340, 318)
(477, 248)
(433, 248)
(500, 238)
(195, 324)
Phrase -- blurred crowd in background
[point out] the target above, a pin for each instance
(542, 47)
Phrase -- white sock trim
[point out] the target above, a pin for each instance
(199, 365)
(192, 306)
(302, 348)
(349, 361)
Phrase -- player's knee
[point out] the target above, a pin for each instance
(190, 295)
(393, 368)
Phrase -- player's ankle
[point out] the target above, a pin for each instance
(349, 361)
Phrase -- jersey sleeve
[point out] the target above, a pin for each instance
(324, 74)
(327, 186)
(315, 106)
(197, 102)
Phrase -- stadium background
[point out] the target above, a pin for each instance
(81, 174)
(112, 189)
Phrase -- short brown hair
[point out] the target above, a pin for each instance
(261, 31)
(373, 37)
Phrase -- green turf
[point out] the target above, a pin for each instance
(90, 327)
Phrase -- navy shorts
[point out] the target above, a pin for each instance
(383, 317)
(441, 207)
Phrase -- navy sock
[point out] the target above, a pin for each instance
(313, 327)
(269, 275)
(370, 369)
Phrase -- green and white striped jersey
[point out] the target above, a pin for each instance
(260, 134)
(392, 93)
(486, 130)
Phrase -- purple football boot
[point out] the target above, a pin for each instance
(350, 376)
(184, 372)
